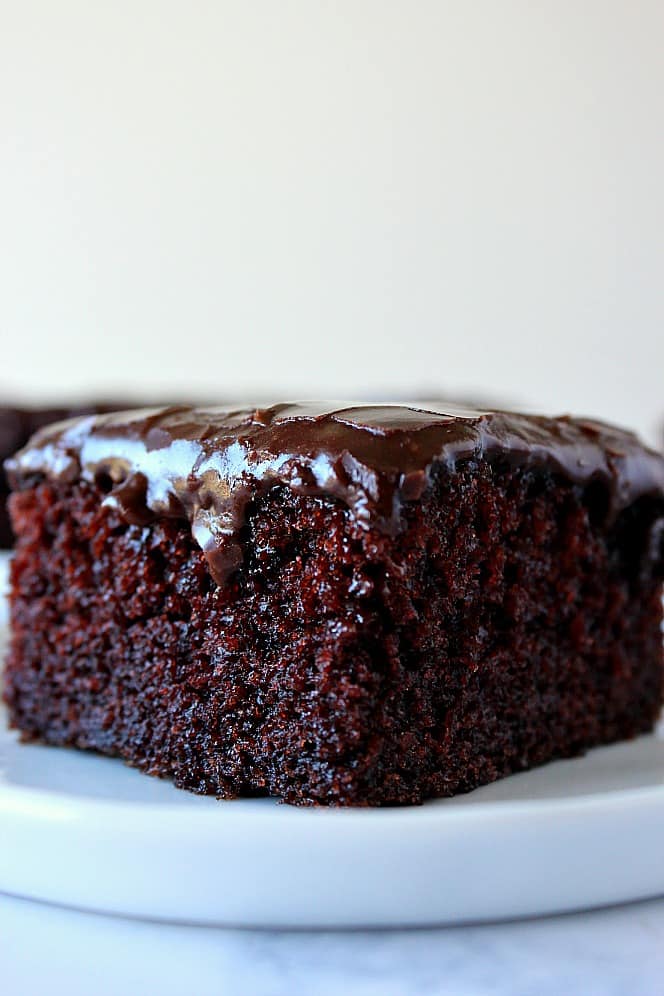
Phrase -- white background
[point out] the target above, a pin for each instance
(299, 197)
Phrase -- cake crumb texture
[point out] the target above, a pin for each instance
(511, 621)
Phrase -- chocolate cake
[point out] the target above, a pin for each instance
(355, 605)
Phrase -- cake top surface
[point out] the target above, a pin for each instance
(206, 464)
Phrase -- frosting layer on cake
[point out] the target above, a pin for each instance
(207, 464)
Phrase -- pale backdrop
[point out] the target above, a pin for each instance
(298, 197)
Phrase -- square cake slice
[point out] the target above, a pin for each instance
(355, 605)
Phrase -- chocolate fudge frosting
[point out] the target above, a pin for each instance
(207, 464)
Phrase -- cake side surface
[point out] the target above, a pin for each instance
(485, 609)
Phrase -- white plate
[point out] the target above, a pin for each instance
(88, 832)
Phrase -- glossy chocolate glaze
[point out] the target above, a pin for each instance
(207, 464)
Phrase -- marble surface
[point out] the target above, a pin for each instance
(610, 952)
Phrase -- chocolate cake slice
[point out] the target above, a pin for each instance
(355, 605)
